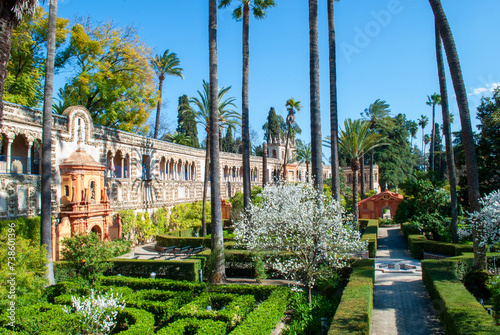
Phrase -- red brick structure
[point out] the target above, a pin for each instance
(374, 206)
(84, 203)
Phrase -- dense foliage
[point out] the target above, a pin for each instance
(426, 205)
(186, 121)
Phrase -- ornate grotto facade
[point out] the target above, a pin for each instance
(99, 170)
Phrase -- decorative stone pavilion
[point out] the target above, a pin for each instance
(375, 206)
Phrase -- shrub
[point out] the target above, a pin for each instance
(459, 311)
(307, 318)
(152, 284)
(43, 318)
(135, 322)
(494, 287)
(260, 293)
(354, 313)
(370, 236)
(87, 254)
(189, 215)
(29, 268)
(180, 270)
(195, 327)
(231, 308)
(265, 317)
(27, 228)
(97, 313)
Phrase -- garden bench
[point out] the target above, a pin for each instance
(167, 250)
(184, 250)
(197, 250)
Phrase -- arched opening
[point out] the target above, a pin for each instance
(92, 189)
(387, 213)
(96, 229)
(119, 163)
(193, 171)
(163, 164)
(186, 171)
(19, 155)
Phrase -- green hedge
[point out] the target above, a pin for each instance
(458, 309)
(162, 304)
(370, 235)
(179, 270)
(231, 308)
(152, 284)
(164, 240)
(139, 322)
(194, 326)
(266, 316)
(259, 292)
(354, 314)
(418, 244)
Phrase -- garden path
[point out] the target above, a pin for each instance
(401, 304)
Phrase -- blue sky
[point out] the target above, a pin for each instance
(385, 50)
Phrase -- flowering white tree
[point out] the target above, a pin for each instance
(487, 219)
(97, 312)
(301, 232)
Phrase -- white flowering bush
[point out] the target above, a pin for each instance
(302, 232)
(486, 220)
(98, 312)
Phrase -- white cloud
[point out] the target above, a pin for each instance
(482, 90)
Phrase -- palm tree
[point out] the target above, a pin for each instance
(334, 123)
(412, 129)
(303, 155)
(355, 139)
(228, 118)
(292, 107)
(46, 210)
(166, 64)
(178, 138)
(378, 115)
(467, 135)
(219, 270)
(422, 122)
(447, 120)
(426, 140)
(432, 101)
(316, 140)
(242, 12)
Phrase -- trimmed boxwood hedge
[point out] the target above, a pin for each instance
(418, 244)
(195, 326)
(139, 322)
(354, 313)
(459, 311)
(235, 307)
(152, 284)
(370, 235)
(266, 316)
(259, 292)
(179, 270)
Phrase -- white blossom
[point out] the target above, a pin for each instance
(487, 219)
(97, 312)
(299, 230)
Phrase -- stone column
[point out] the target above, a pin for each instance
(264, 164)
(9, 152)
(122, 163)
(28, 159)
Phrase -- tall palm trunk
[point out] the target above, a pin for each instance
(46, 213)
(372, 184)
(450, 159)
(334, 123)
(362, 175)
(286, 152)
(205, 187)
(245, 130)
(219, 270)
(354, 168)
(316, 142)
(158, 108)
(433, 137)
(467, 136)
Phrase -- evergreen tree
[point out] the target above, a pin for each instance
(228, 143)
(396, 160)
(186, 121)
(275, 126)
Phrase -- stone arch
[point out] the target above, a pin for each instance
(97, 229)
(80, 123)
(193, 171)
(163, 164)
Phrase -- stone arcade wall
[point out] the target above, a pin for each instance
(173, 174)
